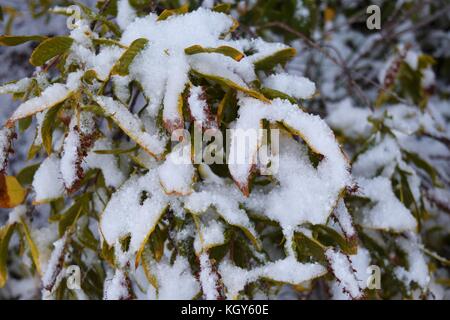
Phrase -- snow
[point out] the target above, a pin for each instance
(132, 125)
(209, 236)
(344, 219)
(388, 213)
(48, 183)
(199, 108)
(129, 213)
(342, 269)
(52, 271)
(107, 163)
(308, 193)
(359, 262)
(15, 87)
(16, 214)
(225, 201)
(176, 174)
(208, 278)
(175, 282)
(417, 270)
(352, 121)
(5, 144)
(125, 13)
(295, 86)
(116, 288)
(287, 270)
(162, 67)
(50, 97)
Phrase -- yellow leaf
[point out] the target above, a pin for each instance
(170, 12)
(11, 192)
(33, 248)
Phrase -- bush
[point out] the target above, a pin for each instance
(130, 182)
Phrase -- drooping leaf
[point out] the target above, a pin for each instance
(170, 12)
(31, 245)
(50, 48)
(5, 236)
(48, 125)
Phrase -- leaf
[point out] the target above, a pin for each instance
(309, 247)
(50, 48)
(5, 236)
(25, 123)
(33, 248)
(11, 192)
(25, 176)
(7, 40)
(279, 57)
(108, 42)
(331, 236)
(122, 65)
(230, 84)
(225, 50)
(222, 8)
(424, 165)
(170, 12)
(227, 109)
(71, 215)
(47, 129)
(273, 94)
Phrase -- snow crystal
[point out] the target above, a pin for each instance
(14, 87)
(295, 86)
(125, 13)
(209, 236)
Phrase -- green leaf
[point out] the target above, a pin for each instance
(7, 40)
(170, 12)
(279, 57)
(309, 247)
(50, 48)
(25, 123)
(71, 215)
(222, 7)
(122, 65)
(5, 236)
(108, 42)
(26, 175)
(330, 236)
(225, 50)
(273, 94)
(230, 84)
(48, 125)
